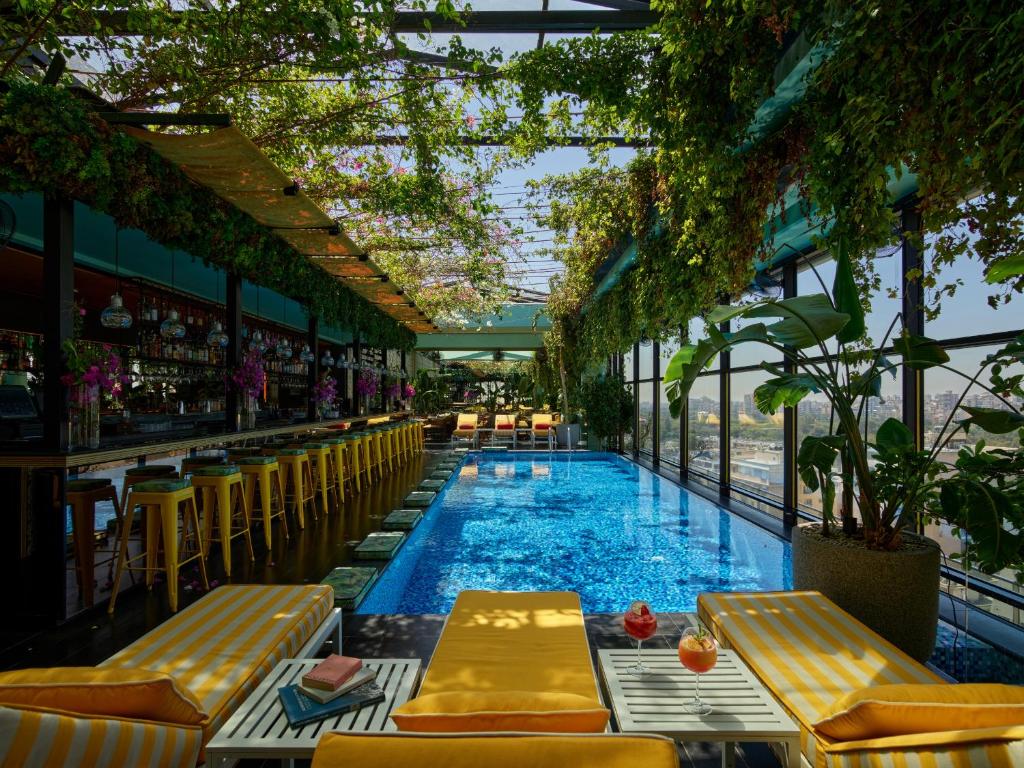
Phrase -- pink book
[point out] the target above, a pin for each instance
(331, 673)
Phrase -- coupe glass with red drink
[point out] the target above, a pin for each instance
(698, 652)
(640, 623)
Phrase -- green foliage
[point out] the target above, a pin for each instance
(894, 481)
(608, 405)
(50, 142)
(926, 87)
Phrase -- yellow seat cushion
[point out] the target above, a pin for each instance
(226, 643)
(136, 694)
(473, 711)
(496, 642)
(338, 750)
(896, 710)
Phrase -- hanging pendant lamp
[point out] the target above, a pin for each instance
(216, 337)
(116, 315)
(171, 327)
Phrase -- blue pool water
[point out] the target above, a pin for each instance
(592, 523)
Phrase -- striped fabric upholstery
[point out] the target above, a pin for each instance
(808, 652)
(223, 646)
(36, 739)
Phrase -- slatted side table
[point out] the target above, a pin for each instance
(259, 729)
(742, 708)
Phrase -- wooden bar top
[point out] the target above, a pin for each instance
(28, 459)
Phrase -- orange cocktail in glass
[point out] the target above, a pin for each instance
(698, 652)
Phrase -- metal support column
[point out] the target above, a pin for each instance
(790, 479)
(636, 400)
(58, 313)
(656, 402)
(314, 368)
(725, 417)
(913, 318)
(233, 353)
(357, 347)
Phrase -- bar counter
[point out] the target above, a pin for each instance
(144, 446)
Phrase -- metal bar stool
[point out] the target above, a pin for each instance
(388, 436)
(297, 479)
(191, 463)
(365, 456)
(324, 473)
(377, 452)
(338, 451)
(353, 462)
(82, 497)
(263, 474)
(239, 452)
(136, 475)
(222, 491)
(165, 502)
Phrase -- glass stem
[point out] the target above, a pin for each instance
(639, 664)
(696, 691)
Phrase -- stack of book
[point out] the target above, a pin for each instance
(335, 686)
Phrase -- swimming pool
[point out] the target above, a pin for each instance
(593, 523)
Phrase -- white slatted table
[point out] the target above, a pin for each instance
(259, 729)
(742, 708)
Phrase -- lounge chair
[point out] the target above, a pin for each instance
(542, 427)
(832, 674)
(465, 428)
(504, 428)
(473, 750)
(509, 661)
(158, 701)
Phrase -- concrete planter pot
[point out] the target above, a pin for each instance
(567, 435)
(894, 593)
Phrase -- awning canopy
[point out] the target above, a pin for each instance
(230, 165)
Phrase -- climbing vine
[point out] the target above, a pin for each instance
(49, 141)
(926, 88)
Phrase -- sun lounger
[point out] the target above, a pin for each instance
(465, 428)
(542, 427)
(509, 661)
(824, 666)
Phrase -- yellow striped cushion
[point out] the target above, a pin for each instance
(34, 739)
(806, 650)
(985, 752)
(226, 643)
(138, 694)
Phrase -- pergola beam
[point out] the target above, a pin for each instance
(397, 140)
(479, 22)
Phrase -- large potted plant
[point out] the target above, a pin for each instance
(871, 564)
(609, 408)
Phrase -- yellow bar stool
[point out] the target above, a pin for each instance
(263, 474)
(396, 457)
(324, 473)
(366, 456)
(337, 448)
(83, 496)
(297, 479)
(416, 435)
(164, 502)
(404, 438)
(377, 451)
(135, 475)
(353, 462)
(191, 463)
(387, 453)
(222, 491)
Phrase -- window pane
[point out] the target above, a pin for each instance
(886, 302)
(646, 360)
(813, 419)
(943, 389)
(755, 439)
(967, 313)
(696, 330)
(668, 435)
(645, 429)
(751, 353)
(627, 365)
(702, 423)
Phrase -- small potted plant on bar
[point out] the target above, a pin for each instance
(879, 569)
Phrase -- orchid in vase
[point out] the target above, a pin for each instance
(250, 377)
(325, 393)
(368, 383)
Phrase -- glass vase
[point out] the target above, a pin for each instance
(247, 412)
(84, 417)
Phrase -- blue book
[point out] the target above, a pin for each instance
(302, 710)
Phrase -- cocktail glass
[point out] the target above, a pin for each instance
(698, 652)
(640, 623)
